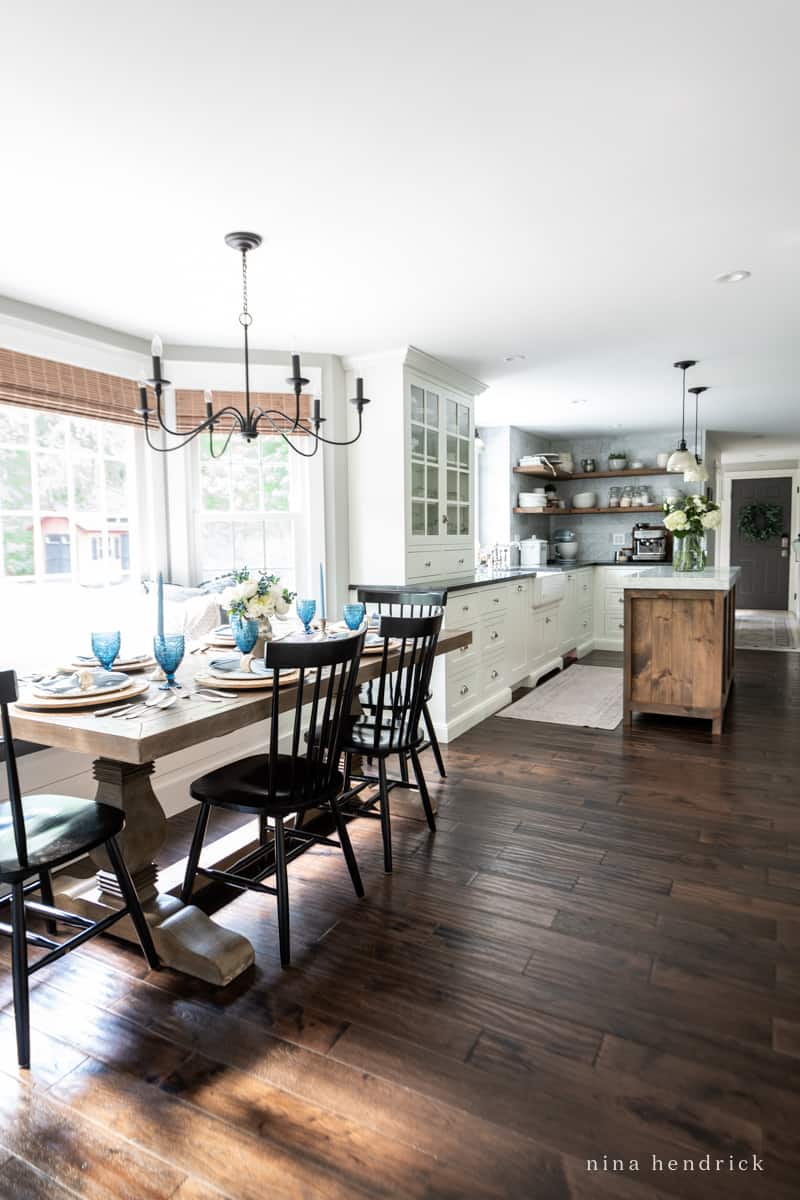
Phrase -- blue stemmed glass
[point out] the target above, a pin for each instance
(353, 615)
(305, 611)
(169, 656)
(105, 648)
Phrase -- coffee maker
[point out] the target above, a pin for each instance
(649, 543)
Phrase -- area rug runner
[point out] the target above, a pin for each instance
(590, 696)
(761, 630)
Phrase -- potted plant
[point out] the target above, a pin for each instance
(251, 602)
(688, 519)
(617, 460)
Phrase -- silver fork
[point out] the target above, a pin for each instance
(158, 705)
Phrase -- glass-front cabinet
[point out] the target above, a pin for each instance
(440, 458)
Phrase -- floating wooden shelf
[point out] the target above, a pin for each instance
(565, 476)
(582, 512)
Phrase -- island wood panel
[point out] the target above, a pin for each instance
(678, 656)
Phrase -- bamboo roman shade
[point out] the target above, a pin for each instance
(190, 408)
(59, 387)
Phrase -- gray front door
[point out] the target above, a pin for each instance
(764, 582)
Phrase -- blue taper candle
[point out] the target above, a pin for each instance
(160, 605)
(321, 592)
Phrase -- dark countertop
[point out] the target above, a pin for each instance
(462, 583)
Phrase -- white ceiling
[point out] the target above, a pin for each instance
(562, 180)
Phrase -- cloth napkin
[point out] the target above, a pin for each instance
(66, 685)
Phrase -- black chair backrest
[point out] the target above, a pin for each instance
(403, 683)
(8, 694)
(327, 678)
(401, 603)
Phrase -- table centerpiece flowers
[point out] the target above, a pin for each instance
(251, 600)
(688, 520)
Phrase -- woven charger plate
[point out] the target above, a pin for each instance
(135, 688)
(257, 683)
(122, 664)
(377, 647)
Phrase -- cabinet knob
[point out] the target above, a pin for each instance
(463, 649)
(570, 578)
(495, 636)
(465, 608)
(547, 620)
(495, 674)
(520, 587)
(496, 599)
(463, 691)
(444, 518)
(427, 564)
(620, 626)
(461, 562)
(620, 599)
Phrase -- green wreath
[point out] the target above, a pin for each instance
(759, 522)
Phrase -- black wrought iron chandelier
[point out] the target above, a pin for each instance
(247, 423)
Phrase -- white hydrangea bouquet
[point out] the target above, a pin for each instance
(688, 520)
(257, 598)
(250, 602)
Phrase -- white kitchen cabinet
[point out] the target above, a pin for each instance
(609, 607)
(411, 475)
(519, 637)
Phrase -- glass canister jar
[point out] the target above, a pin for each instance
(614, 494)
(626, 499)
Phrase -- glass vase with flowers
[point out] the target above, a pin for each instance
(688, 520)
(251, 600)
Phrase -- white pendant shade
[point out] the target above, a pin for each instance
(680, 461)
(696, 473)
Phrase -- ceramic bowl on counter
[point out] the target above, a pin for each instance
(566, 549)
(585, 500)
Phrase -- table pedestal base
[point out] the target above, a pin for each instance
(185, 938)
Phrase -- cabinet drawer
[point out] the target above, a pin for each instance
(494, 674)
(458, 562)
(615, 625)
(463, 692)
(585, 590)
(615, 600)
(462, 610)
(493, 599)
(493, 633)
(585, 625)
(456, 659)
(424, 564)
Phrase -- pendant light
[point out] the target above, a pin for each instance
(697, 472)
(681, 460)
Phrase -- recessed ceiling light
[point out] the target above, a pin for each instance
(579, 401)
(733, 277)
(509, 358)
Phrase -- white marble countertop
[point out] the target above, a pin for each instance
(713, 579)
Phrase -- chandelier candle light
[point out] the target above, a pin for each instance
(247, 423)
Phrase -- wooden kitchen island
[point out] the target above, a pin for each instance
(679, 642)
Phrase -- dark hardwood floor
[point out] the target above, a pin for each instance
(597, 954)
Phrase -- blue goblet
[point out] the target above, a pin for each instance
(305, 611)
(353, 615)
(105, 648)
(245, 632)
(169, 656)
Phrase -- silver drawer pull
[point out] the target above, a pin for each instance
(427, 564)
(495, 674)
(496, 599)
(465, 608)
(463, 691)
(495, 636)
(461, 562)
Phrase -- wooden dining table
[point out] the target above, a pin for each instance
(125, 752)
